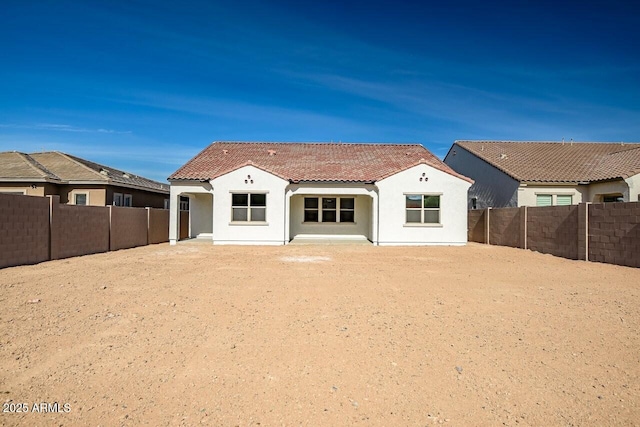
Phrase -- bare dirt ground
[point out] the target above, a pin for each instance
(320, 335)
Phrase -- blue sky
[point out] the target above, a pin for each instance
(145, 85)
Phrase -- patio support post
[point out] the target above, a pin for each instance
(174, 215)
(374, 217)
(287, 215)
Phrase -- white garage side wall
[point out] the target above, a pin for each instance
(177, 188)
(272, 231)
(452, 229)
(361, 226)
(528, 195)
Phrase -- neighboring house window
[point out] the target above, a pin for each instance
(329, 209)
(248, 207)
(166, 203)
(422, 209)
(117, 199)
(544, 200)
(474, 203)
(23, 192)
(81, 199)
(128, 200)
(612, 198)
(564, 199)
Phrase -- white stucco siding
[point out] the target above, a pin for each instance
(200, 215)
(634, 188)
(528, 194)
(360, 227)
(269, 232)
(392, 191)
(186, 188)
(491, 188)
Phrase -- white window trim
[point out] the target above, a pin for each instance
(13, 191)
(422, 209)
(554, 197)
(124, 200)
(248, 222)
(121, 199)
(338, 208)
(75, 193)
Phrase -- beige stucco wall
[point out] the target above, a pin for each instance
(527, 194)
(361, 227)
(97, 196)
(598, 189)
(26, 188)
(634, 188)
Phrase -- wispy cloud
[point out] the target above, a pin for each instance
(60, 128)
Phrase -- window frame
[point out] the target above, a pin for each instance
(554, 198)
(124, 201)
(249, 208)
(320, 209)
(120, 197)
(81, 193)
(422, 209)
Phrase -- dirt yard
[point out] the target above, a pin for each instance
(320, 335)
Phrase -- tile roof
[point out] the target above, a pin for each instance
(59, 167)
(20, 166)
(310, 162)
(558, 161)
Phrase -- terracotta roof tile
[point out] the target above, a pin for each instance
(310, 162)
(558, 161)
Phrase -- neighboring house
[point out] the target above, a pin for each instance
(510, 174)
(270, 193)
(77, 181)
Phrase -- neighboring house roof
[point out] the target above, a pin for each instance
(558, 161)
(311, 162)
(63, 168)
(19, 166)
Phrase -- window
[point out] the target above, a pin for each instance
(422, 209)
(81, 199)
(554, 199)
(329, 209)
(612, 198)
(167, 203)
(474, 203)
(544, 200)
(128, 200)
(248, 207)
(117, 199)
(184, 203)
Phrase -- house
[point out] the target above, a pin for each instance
(271, 193)
(510, 174)
(77, 181)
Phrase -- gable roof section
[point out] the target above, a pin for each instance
(558, 161)
(310, 162)
(63, 168)
(19, 166)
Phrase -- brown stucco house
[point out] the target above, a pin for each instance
(77, 181)
(519, 173)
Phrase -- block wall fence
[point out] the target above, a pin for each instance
(35, 229)
(606, 232)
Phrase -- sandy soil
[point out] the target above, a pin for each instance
(320, 335)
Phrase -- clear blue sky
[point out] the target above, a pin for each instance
(145, 85)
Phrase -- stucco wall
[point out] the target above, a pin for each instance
(362, 225)
(634, 188)
(272, 231)
(597, 189)
(201, 214)
(392, 191)
(527, 195)
(128, 227)
(24, 229)
(492, 187)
